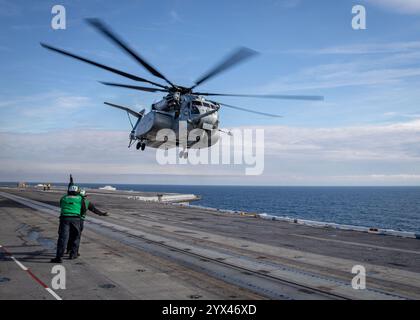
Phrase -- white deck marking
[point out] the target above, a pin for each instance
(19, 264)
(56, 296)
(33, 276)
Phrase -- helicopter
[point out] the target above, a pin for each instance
(181, 104)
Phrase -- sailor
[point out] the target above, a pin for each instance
(72, 205)
(88, 206)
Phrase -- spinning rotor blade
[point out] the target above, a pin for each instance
(99, 65)
(236, 57)
(130, 111)
(101, 27)
(265, 96)
(251, 111)
(147, 89)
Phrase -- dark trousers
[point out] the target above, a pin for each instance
(68, 225)
(72, 237)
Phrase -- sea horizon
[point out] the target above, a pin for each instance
(384, 207)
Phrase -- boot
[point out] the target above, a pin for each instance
(56, 260)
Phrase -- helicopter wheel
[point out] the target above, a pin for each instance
(185, 155)
(138, 145)
(143, 146)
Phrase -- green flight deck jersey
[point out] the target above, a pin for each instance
(71, 206)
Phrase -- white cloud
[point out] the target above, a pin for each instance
(394, 63)
(175, 16)
(389, 142)
(288, 4)
(364, 48)
(97, 152)
(58, 106)
(400, 6)
(41, 111)
(370, 154)
(395, 114)
(54, 98)
(394, 176)
(336, 75)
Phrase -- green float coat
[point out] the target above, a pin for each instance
(71, 206)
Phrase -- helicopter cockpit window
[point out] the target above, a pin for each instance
(196, 103)
(207, 105)
(194, 110)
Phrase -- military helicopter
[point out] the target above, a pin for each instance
(181, 104)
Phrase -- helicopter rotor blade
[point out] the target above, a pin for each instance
(102, 28)
(265, 96)
(147, 89)
(99, 65)
(239, 55)
(251, 111)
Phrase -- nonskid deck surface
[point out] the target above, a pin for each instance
(161, 251)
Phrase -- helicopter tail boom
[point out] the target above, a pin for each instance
(128, 110)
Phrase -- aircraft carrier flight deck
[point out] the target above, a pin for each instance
(163, 250)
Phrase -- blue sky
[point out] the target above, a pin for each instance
(370, 79)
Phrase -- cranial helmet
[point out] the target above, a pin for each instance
(74, 189)
(82, 192)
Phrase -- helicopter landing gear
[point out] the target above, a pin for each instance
(141, 145)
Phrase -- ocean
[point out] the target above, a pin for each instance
(395, 208)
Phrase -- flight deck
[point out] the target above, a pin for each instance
(162, 250)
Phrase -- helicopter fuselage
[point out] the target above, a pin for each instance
(175, 116)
